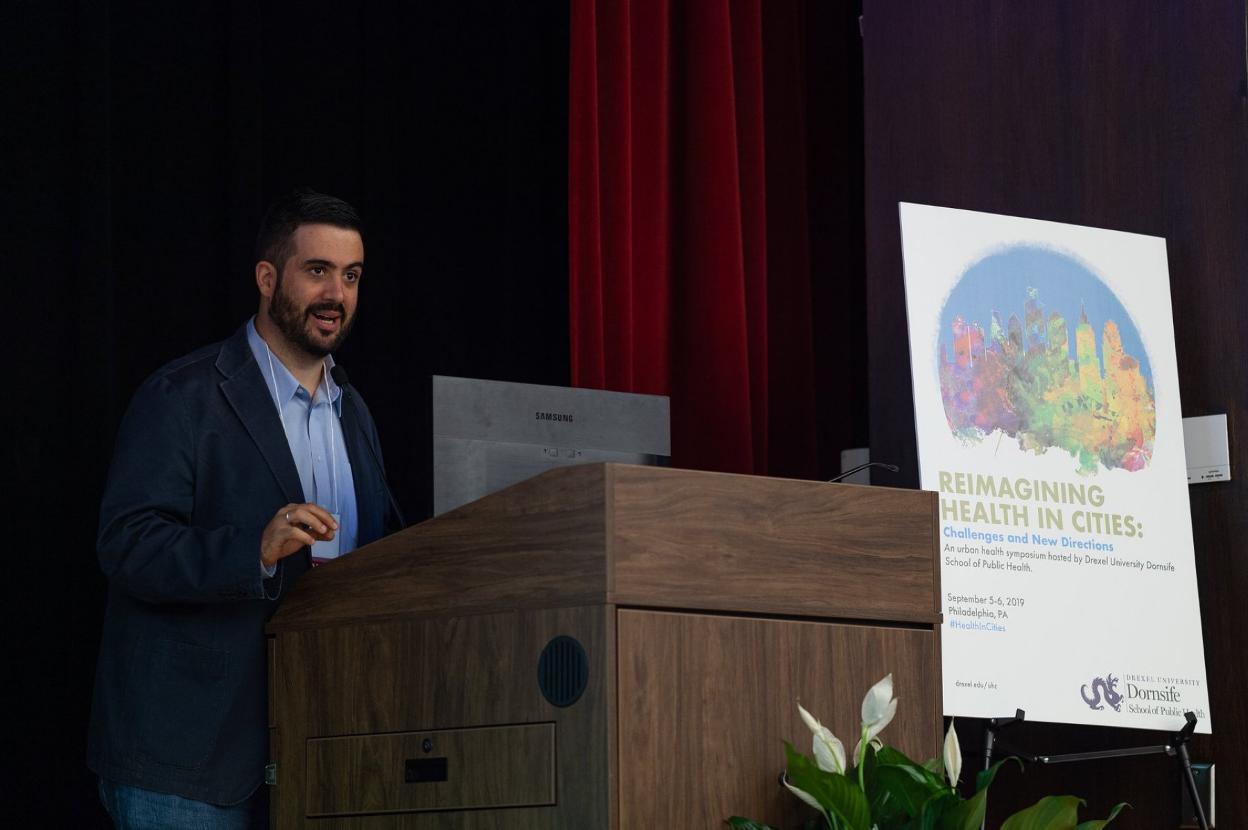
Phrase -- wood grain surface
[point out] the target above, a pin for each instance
(686, 539)
(645, 536)
(537, 544)
(438, 629)
(374, 682)
(486, 767)
(706, 703)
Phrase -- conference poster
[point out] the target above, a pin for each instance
(1048, 421)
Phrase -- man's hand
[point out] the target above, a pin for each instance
(295, 526)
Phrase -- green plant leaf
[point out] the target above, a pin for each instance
(1054, 812)
(839, 796)
(886, 810)
(802, 764)
(1097, 824)
(906, 787)
(984, 777)
(933, 776)
(935, 810)
(966, 815)
(870, 782)
(739, 823)
(887, 755)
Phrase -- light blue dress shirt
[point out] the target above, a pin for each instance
(314, 432)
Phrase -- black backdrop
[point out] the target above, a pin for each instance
(144, 140)
(1113, 115)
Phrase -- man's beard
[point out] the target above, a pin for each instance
(293, 322)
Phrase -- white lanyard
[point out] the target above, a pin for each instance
(333, 455)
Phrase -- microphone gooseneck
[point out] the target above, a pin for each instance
(891, 467)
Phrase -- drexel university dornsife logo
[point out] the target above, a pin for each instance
(1104, 690)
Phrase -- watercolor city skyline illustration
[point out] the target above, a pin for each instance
(1008, 362)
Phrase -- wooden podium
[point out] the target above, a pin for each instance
(690, 612)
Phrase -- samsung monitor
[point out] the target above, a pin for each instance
(488, 435)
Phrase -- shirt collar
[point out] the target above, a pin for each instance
(287, 386)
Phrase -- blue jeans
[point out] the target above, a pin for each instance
(132, 808)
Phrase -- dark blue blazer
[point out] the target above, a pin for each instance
(201, 466)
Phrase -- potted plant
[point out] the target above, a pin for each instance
(879, 788)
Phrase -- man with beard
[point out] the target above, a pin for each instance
(237, 468)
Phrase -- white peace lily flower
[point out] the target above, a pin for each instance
(952, 756)
(878, 708)
(828, 749)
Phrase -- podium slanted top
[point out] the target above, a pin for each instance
(652, 537)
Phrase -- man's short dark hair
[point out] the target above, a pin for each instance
(301, 206)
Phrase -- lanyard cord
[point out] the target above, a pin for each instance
(333, 455)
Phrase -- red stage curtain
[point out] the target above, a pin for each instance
(689, 257)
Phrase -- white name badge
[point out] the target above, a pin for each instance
(325, 551)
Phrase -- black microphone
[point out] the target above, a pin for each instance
(339, 375)
(890, 467)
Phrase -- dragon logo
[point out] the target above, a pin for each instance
(1104, 689)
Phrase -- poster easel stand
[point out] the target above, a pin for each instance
(1176, 746)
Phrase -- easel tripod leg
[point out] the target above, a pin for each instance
(1192, 790)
